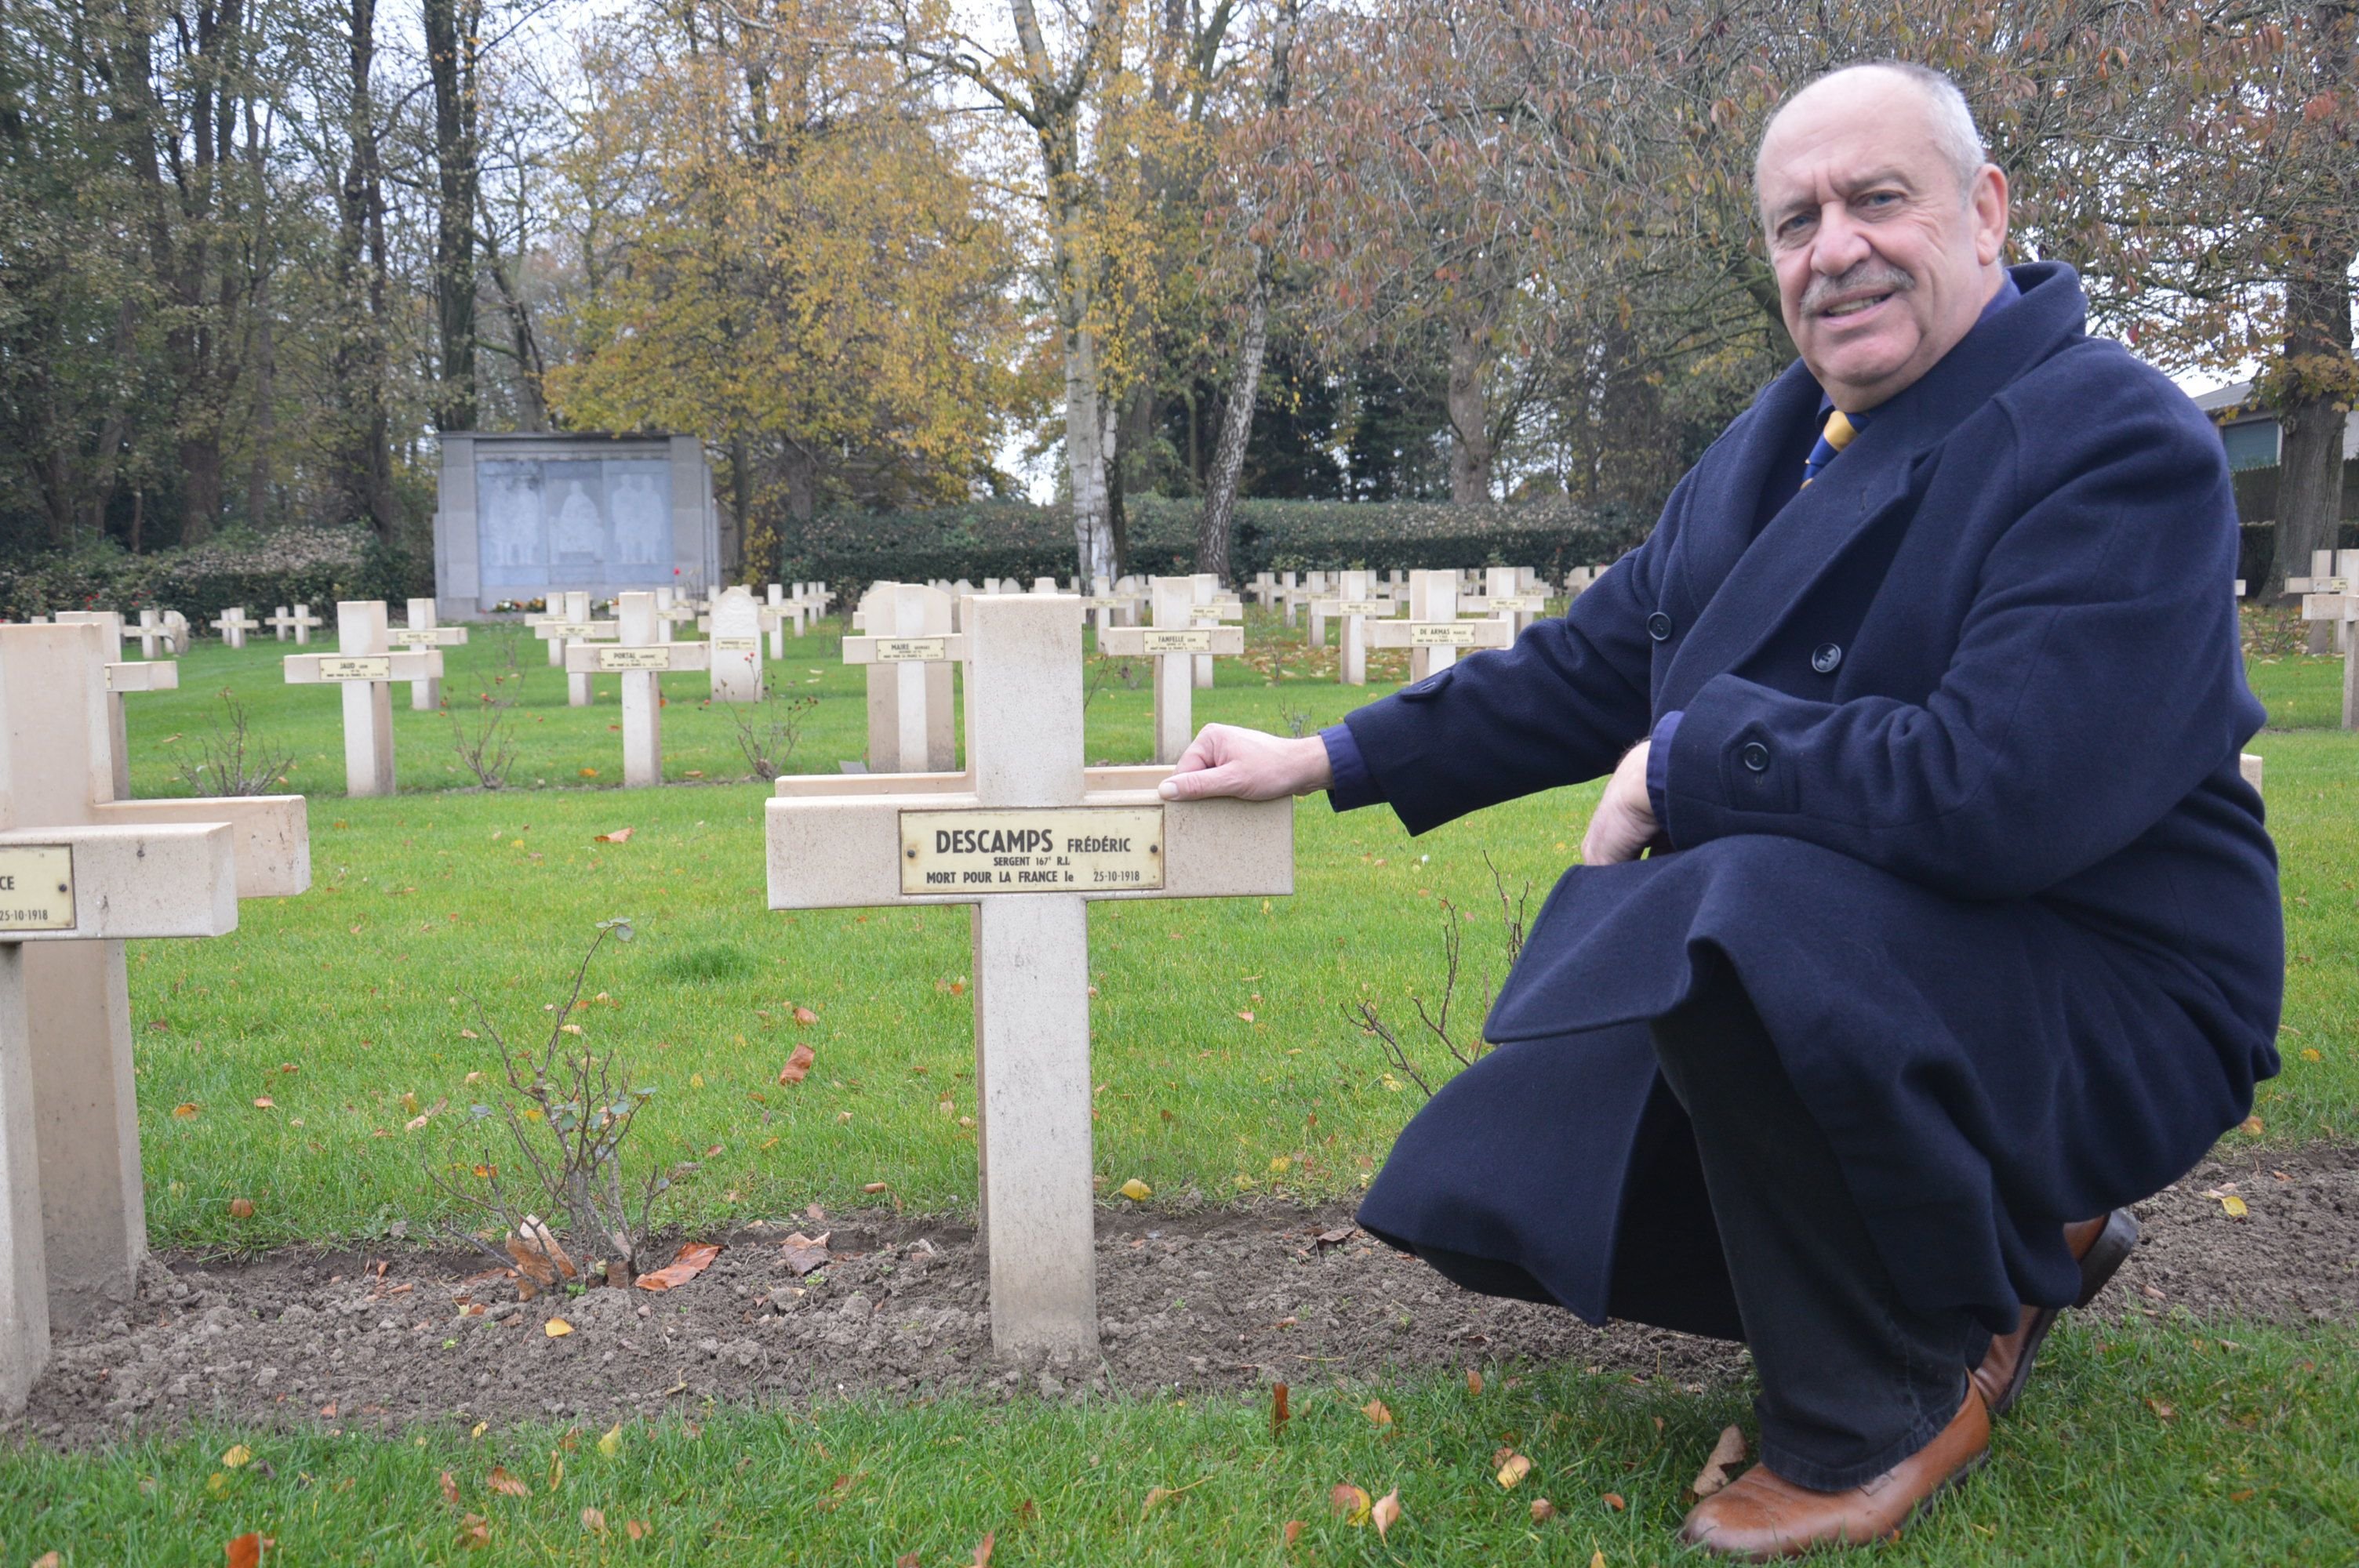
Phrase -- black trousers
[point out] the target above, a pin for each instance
(1750, 1232)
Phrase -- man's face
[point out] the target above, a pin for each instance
(1883, 262)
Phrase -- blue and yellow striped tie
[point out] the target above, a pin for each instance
(1833, 439)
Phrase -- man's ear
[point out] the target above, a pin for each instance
(1988, 198)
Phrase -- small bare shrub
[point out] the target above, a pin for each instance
(1465, 1046)
(566, 1113)
(232, 759)
(480, 730)
(769, 731)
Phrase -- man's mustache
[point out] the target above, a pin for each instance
(1868, 278)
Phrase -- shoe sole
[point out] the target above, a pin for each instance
(2105, 1255)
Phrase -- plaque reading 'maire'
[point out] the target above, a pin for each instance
(908, 650)
(36, 888)
(1077, 849)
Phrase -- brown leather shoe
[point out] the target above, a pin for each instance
(1761, 1516)
(2100, 1245)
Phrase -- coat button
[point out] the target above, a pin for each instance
(1755, 756)
(1828, 656)
(1658, 627)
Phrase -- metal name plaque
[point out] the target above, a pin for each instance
(36, 888)
(747, 645)
(415, 637)
(1381, 607)
(907, 650)
(565, 628)
(1169, 641)
(1442, 634)
(635, 658)
(363, 666)
(1081, 849)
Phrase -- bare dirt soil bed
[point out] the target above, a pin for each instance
(1215, 1300)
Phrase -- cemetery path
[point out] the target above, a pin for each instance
(1219, 1299)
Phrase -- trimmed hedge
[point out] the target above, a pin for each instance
(309, 566)
(2258, 549)
(1017, 539)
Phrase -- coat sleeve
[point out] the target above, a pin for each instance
(1563, 705)
(2097, 680)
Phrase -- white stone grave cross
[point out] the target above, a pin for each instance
(234, 624)
(1314, 590)
(736, 646)
(366, 666)
(1433, 634)
(773, 598)
(1029, 836)
(910, 649)
(1505, 597)
(1212, 608)
(1175, 641)
(80, 871)
(568, 622)
(154, 641)
(2336, 603)
(641, 658)
(177, 634)
(1265, 590)
(300, 622)
(1356, 604)
(158, 675)
(426, 694)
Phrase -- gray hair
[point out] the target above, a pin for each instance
(1953, 121)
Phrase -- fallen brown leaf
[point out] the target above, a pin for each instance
(1720, 1469)
(799, 1064)
(805, 1016)
(246, 1551)
(983, 1550)
(637, 1529)
(1513, 1469)
(241, 1208)
(1543, 1510)
(619, 836)
(474, 1531)
(2165, 1410)
(508, 1486)
(1154, 1496)
(1473, 1381)
(539, 1257)
(595, 1520)
(450, 1489)
(693, 1259)
(1386, 1512)
(804, 1253)
(1350, 1501)
(1614, 1500)
(1339, 1236)
(183, 1111)
(1377, 1412)
(1292, 1532)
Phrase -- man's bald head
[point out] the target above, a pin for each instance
(1885, 222)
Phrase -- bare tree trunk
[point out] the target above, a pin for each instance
(363, 461)
(452, 38)
(1470, 450)
(2315, 384)
(532, 404)
(1090, 440)
(1214, 530)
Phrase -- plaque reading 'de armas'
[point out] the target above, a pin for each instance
(36, 888)
(1077, 849)
(1442, 634)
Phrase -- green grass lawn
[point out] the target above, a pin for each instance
(1225, 1064)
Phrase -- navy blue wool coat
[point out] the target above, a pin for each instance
(1956, 795)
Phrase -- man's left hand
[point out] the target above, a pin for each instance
(1624, 823)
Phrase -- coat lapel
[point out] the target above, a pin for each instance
(1743, 589)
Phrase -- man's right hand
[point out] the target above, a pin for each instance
(1247, 764)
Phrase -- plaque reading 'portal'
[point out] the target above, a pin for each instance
(907, 650)
(1083, 849)
(359, 667)
(1442, 634)
(36, 888)
(1197, 641)
(635, 658)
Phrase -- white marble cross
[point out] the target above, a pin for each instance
(1506, 596)
(234, 623)
(158, 675)
(1433, 634)
(1212, 607)
(773, 598)
(2336, 603)
(567, 622)
(640, 659)
(1029, 836)
(1175, 642)
(426, 694)
(366, 666)
(80, 871)
(300, 622)
(910, 649)
(154, 638)
(177, 634)
(1356, 603)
